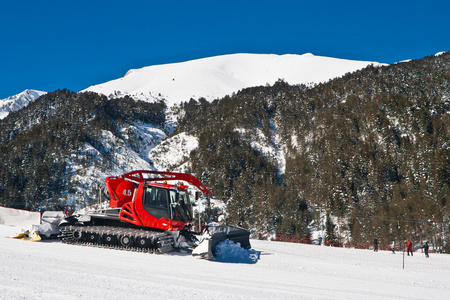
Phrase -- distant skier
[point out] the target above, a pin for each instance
(375, 244)
(425, 248)
(393, 247)
(409, 247)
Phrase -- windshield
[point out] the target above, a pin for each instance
(181, 206)
(155, 202)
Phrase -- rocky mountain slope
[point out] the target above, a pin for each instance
(17, 102)
(370, 150)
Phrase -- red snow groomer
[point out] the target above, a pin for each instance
(148, 211)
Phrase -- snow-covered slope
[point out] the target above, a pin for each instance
(216, 77)
(172, 153)
(52, 270)
(132, 150)
(17, 102)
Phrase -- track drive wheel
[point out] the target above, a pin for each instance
(92, 237)
(126, 241)
(142, 242)
(77, 235)
(109, 239)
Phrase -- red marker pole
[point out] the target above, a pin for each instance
(403, 255)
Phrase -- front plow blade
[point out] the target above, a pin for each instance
(218, 234)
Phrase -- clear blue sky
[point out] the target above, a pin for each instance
(50, 45)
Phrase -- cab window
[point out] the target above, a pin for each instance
(156, 202)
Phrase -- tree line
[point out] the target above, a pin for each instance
(370, 150)
(371, 147)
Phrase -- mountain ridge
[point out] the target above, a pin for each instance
(19, 101)
(215, 77)
(369, 147)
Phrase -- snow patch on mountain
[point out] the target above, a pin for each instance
(272, 147)
(142, 137)
(173, 153)
(131, 149)
(17, 102)
(215, 77)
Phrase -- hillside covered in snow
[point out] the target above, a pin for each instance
(361, 155)
(17, 102)
(215, 77)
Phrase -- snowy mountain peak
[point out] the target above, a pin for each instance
(218, 76)
(17, 102)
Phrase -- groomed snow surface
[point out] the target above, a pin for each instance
(53, 270)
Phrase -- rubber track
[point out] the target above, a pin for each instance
(130, 239)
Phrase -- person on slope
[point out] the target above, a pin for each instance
(425, 248)
(393, 247)
(375, 244)
(409, 247)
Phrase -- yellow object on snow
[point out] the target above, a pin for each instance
(34, 236)
(18, 236)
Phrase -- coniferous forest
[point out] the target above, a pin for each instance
(37, 142)
(369, 150)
